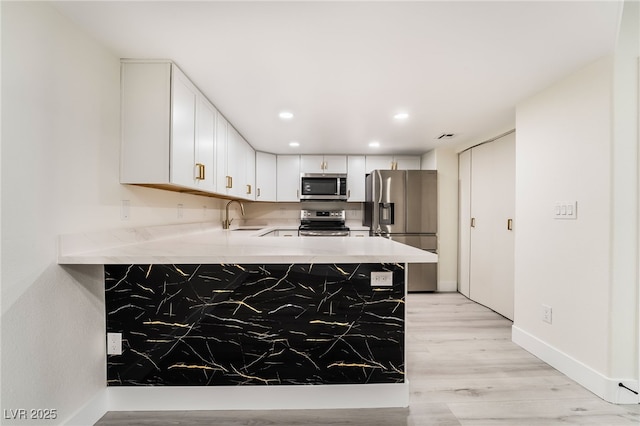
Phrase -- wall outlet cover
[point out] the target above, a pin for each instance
(382, 279)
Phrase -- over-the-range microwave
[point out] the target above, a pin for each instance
(318, 186)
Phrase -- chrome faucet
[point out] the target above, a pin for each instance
(227, 223)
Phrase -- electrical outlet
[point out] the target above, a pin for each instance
(180, 206)
(381, 279)
(114, 343)
(546, 314)
(124, 211)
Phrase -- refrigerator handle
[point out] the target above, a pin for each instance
(386, 213)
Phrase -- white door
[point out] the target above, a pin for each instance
(464, 215)
(491, 240)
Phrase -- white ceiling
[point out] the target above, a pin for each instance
(345, 68)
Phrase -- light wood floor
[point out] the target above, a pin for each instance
(463, 370)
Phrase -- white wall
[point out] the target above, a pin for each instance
(564, 153)
(60, 162)
(445, 161)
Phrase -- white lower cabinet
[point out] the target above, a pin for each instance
(359, 233)
(487, 208)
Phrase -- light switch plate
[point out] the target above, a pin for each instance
(565, 210)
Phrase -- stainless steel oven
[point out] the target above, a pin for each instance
(317, 186)
(322, 223)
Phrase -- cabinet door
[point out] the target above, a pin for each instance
(236, 166)
(204, 172)
(183, 129)
(311, 164)
(335, 164)
(222, 180)
(250, 171)
(288, 178)
(378, 162)
(355, 178)
(266, 169)
(407, 162)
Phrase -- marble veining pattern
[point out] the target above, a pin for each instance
(251, 324)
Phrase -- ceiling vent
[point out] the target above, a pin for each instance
(446, 136)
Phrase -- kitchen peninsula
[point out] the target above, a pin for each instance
(205, 308)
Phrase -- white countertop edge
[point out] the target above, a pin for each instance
(205, 244)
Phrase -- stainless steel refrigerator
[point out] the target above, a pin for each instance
(402, 205)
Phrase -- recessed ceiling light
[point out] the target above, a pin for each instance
(294, 144)
(286, 115)
(374, 144)
(401, 116)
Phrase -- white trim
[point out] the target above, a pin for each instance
(178, 398)
(605, 387)
(92, 411)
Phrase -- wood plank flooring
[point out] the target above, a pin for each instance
(463, 370)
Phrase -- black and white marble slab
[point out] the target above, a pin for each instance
(255, 324)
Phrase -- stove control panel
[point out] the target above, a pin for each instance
(339, 215)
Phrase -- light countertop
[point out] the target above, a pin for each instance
(205, 244)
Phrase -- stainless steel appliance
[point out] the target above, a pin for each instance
(402, 205)
(318, 186)
(323, 220)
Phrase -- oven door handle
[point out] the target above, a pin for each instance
(324, 233)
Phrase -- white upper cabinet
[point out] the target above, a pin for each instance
(147, 127)
(204, 171)
(392, 162)
(288, 178)
(239, 178)
(266, 169)
(174, 138)
(167, 128)
(222, 181)
(184, 97)
(323, 164)
(355, 177)
(407, 162)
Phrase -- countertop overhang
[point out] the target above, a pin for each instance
(203, 244)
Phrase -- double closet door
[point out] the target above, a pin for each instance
(487, 225)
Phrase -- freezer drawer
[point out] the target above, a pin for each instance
(421, 276)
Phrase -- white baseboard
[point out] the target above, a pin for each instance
(161, 398)
(606, 388)
(92, 411)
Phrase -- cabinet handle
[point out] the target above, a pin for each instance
(298, 193)
(248, 189)
(257, 192)
(229, 182)
(199, 171)
(473, 222)
(348, 193)
(509, 224)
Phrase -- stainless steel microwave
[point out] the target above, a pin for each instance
(317, 186)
